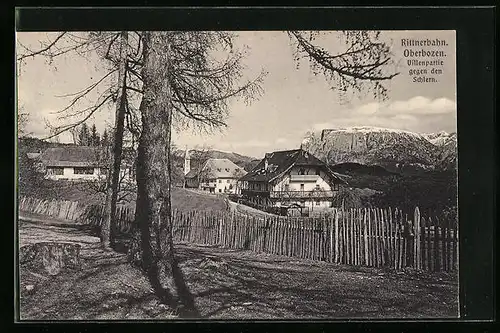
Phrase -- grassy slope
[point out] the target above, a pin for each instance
(182, 199)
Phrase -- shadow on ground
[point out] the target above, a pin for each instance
(227, 284)
(240, 284)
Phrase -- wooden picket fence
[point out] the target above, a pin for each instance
(60, 209)
(361, 237)
(77, 212)
(124, 218)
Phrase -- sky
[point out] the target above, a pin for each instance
(294, 100)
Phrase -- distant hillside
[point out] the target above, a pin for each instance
(372, 170)
(35, 145)
(366, 176)
(246, 162)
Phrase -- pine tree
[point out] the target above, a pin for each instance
(104, 139)
(94, 137)
(84, 136)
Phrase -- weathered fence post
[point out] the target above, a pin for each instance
(418, 256)
(337, 250)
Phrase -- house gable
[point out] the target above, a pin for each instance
(276, 165)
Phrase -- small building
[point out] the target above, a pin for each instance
(290, 179)
(215, 175)
(80, 163)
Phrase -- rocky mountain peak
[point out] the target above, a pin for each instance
(390, 148)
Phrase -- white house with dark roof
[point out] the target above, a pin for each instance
(215, 175)
(79, 163)
(289, 179)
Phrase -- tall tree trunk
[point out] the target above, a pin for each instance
(153, 208)
(113, 177)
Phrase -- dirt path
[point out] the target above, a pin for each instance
(228, 284)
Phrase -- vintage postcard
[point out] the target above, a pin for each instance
(237, 175)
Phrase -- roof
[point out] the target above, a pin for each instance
(217, 168)
(72, 156)
(281, 161)
(79, 156)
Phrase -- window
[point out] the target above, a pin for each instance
(59, 171)
(220, 190)
(302, 187)
(317, 172)
(83, 171)
(318, 202)
(317, 186)
(220, 180)
(227, 181)
(302, 171)
(287, 187)
(335, 187)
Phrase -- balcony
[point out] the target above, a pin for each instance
(254, 193)
(304, 178)
(315, 194)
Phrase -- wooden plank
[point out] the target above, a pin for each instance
(255, 234)
(358, 236)
(275, 235)
(389, 236)
(317, 237)
(416, 238)
(282, 245)
(380, 239)
(314, 236)
(436, 247)
(306, 237)
(259, 236)
(423, 258)
(271, 234)
(383, 217)
(392, 238)
(405, 239)
(296, 236)
(364, 223)
(397, 229)
(376, 221)
(445, 251)
(369, 237)
(400, 228)
(286, 237)
(286, 231)
(337, 236)
(302, 237)
(280, 237)
(331, 227)
(374, 237)
(430, 263)
(311, 238)
(346, 238)
(349, 236)
(353, 235)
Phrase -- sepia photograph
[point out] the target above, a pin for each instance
(237, 175)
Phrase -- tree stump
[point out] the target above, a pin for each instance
(51, 257)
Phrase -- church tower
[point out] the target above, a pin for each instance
(187, 162)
